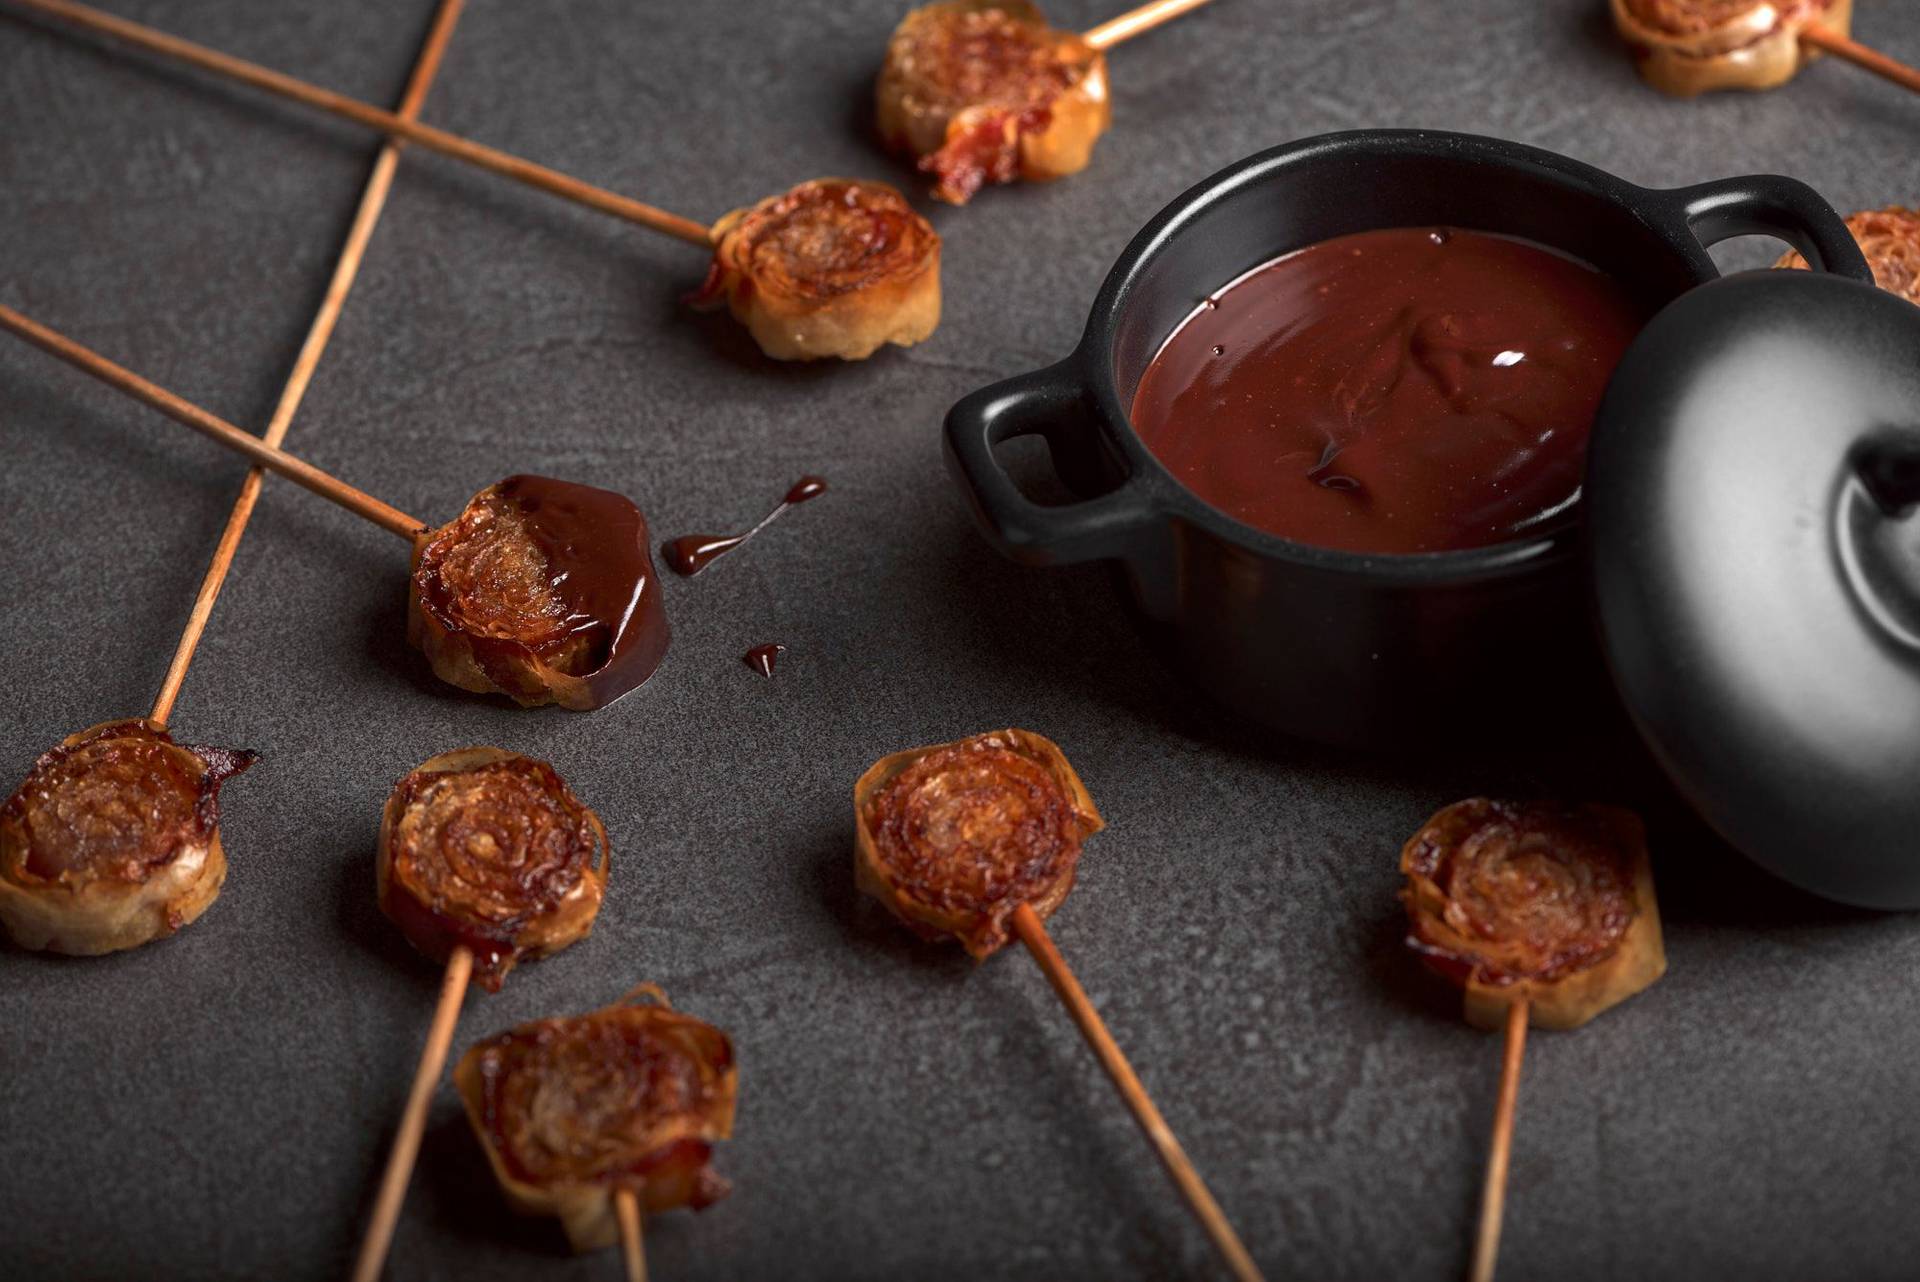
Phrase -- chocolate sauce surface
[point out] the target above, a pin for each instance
(1415, 389)
(691, 553)
(600, 563)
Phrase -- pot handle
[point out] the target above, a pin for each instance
(1769, 205)
(1053, 403)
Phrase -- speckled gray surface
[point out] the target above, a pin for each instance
(217, 1106)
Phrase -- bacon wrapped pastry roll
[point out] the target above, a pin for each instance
(541, 590)
(1890, 239)
(954, 837)
(113, 839)
(984, 91)
(833, 267)
(490, 850)
(1540, 901)
(630, 1097)
(1687, 47)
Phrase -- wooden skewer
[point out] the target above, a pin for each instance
(373, 200)
(413, 1122)
(1830, 41)
(183, 411)
(1493, 1199)
(626, 1209)
(395, 126)
(1033, 933)
(1137, 22)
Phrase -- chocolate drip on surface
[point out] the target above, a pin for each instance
(762, 657)
(691, 553)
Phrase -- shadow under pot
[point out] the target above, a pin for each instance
(1331, 410)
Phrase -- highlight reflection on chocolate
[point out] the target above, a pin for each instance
(632, 1096)
(1540, 901)
(541, 590)
(490, 850)
(113, 839)
(952, 838)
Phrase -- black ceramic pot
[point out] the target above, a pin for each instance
(1318, 642)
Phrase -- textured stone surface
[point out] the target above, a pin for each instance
(218, 1105)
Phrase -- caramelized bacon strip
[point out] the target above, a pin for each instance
(113, 839)
(541, 590)
(984, 91)
(1890, 239)
(632, 1096)
(490, 850)
(954, 837)
(1544, 902)
(832, 267)
(1687, 47)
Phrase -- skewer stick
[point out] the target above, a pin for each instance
(183, 411)
(1493, 1199)
(372, 200)
(1859, 55)
(626, 1209)
(1032, 933)
(274, 82)
(1137, 22)
(413, 1122)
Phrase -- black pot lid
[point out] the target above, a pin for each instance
(1753, 500)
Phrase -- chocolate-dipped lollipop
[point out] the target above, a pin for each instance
(1540, 912)
(829, 268)
(486, 859)
(1890, 240)
(598, 1118)
(978, 839)
(541, 590)
(113, 839)
(984, 91)
(1688, 47)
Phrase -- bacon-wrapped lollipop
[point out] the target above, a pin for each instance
(113, 839)
(1542, 905)
(832, 267)
(984, 91)
(1687, 47)
(953, 838)
(578, 1114)
(1890, 240)
(1540, 911)
(541, 590)
(976, 839)
(486, 859)
(490, 851)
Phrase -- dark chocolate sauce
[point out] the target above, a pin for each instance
(600, 562)
(691, 553)
(1407, 390)
(761, 657)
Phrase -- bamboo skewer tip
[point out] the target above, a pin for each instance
(1493, 1200)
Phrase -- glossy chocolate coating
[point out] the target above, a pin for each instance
(1406, 390)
